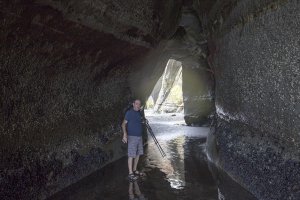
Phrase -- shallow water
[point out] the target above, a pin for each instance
(184, 173)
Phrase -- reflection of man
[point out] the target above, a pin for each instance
(136, 191)
(133, 136)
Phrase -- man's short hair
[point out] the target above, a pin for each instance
(136, 99)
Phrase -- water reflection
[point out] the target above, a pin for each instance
(134, 191)
(185, 166)
(220, 195)
(184, 174)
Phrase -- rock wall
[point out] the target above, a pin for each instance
(198, 95)
(69, 68)
(168, 99)
(189, 46)
(64, 83)
(256, 137)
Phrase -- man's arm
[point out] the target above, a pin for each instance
(124, 131)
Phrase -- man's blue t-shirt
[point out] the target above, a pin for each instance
(134, 122)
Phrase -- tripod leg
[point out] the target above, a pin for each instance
(155, 140)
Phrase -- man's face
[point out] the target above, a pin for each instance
(136, 105)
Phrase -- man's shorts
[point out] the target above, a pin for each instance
(135, 146)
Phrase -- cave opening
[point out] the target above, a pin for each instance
(166, 96)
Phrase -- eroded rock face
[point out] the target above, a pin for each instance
(189, 46)
(69, 68)
(144, 22)
(198, 95)
(64, 83)
(257, 97)
(171, 80)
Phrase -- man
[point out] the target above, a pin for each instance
(133, 136)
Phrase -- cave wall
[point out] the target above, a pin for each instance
(69, 68)
(170, 79)
(256, 138)
(189, 46)
(65, 81)
(197, 88)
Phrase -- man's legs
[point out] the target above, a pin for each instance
(140, 152)
(131, 152)
(130, 164)
(135, 162)
(135, 149)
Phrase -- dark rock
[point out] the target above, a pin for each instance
(256, 139)
(65, 78)
(67, 70)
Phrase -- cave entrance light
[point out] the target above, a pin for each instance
(166, 96)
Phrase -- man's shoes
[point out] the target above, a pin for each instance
(132, 177)
(138, 173)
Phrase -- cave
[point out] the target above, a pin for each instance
(70, 69)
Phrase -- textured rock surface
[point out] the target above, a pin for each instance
(256, 61)
(198, 99)
(189, 46)
(64, 83)
(171, 79)
(144, 22)
(69, 68)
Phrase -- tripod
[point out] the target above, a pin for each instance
(163, 154)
